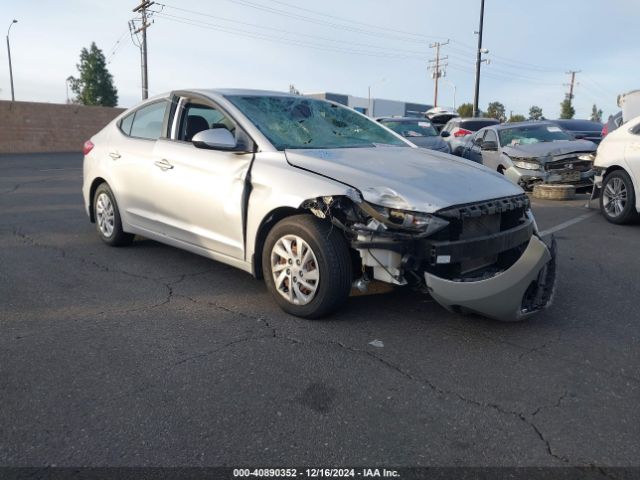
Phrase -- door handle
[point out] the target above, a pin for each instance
(114, 155)
(163, 164)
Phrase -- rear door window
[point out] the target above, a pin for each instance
(125, 124)
(147, 121)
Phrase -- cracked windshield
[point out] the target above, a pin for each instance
(532, 134)
(290, 123)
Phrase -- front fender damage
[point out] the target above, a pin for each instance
(484, 257)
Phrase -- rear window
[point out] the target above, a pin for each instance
(475, 125)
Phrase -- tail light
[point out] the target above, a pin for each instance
(462, 133)
(87, 147)
(605, 130)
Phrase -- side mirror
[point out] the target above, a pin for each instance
(215, 139)
(445, 134)
(489, 146)
(477, 141)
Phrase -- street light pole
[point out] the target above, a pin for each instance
(478, 61)
(13, 95)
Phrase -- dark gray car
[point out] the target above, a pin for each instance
(418, 131)
(533, 152)
(582, 129)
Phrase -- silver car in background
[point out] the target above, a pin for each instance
(313, 197)
(457, 129)
(533, 152)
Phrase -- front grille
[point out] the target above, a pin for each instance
(473, 227)
(569, 164)
(474, 221)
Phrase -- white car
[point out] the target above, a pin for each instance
(314, 196)
(617, 180)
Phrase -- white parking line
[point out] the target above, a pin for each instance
(566, 224)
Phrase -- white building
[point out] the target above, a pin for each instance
(377, 107)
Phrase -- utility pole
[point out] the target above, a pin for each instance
(437, 69)
(571, 84)
(476, 96)
(142, 9)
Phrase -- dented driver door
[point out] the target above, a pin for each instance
(199, 195)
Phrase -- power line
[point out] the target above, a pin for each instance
(284, 40)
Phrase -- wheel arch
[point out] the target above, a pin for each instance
(268, 222)
(92, 192)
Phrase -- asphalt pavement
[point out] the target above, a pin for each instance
(149, 355)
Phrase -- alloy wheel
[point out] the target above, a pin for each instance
(295, 269)
(105, 215)
(614, 197)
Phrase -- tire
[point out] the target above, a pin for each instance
(107, 215)
(326, 273)
(618, 198)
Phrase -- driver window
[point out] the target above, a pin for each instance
(477, 138)
(490, 136)
(196, 118)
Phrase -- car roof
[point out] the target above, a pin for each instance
(246, 92)
(473, 119)
(576, 122)
(527, 123)
(403, 119)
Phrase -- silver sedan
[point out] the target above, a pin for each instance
(317, 199)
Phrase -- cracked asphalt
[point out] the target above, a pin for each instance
(148, 355)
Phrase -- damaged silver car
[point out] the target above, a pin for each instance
(315, 198)
(533, 152)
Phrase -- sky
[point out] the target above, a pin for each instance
(336, 46)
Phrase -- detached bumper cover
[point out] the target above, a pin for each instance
(511, 295)
(526, 177)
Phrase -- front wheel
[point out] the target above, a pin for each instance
(307, 266)
(618, 199)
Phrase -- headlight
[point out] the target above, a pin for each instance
(527, 164)
(423, 222)
(590, 157)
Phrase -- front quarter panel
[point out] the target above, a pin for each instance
(276, 184)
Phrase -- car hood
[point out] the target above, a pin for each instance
(549, 149)
(434, 143)
(406, 178)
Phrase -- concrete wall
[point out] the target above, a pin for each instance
(29, 127)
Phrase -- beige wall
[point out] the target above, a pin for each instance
(28, 127)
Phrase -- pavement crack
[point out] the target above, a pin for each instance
(444, 392)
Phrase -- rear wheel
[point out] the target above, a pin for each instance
(107, 215)
(307, 266)
(618, 199)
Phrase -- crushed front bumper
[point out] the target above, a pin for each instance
(524, 288)
(528, 178)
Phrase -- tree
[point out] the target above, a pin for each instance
(95, 84)
(517, 118)
(496, 110)
(566, 109)
(596, 114)
(535, 113)
(465, 110)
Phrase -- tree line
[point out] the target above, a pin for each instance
(498, 111)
